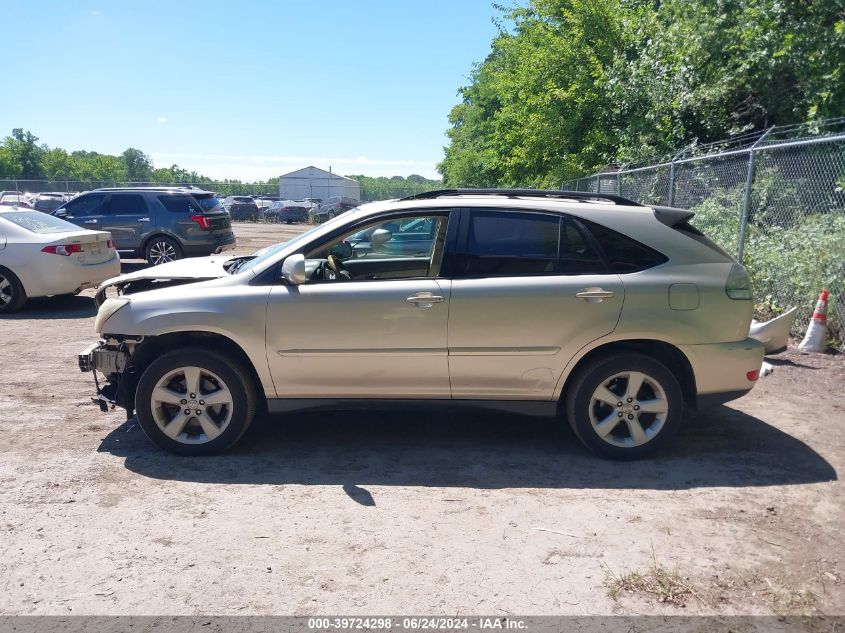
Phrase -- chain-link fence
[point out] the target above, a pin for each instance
(369, 192)
(776, 200)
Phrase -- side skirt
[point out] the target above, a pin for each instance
(536, 408)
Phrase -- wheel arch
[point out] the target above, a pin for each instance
(154, 346)
(670, 355)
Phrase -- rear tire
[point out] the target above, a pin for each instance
(12, 293)
(624, 406)
(192, 401)
(162, 249)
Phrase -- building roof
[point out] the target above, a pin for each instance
(314, 172)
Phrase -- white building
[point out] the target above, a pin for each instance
(312, 182)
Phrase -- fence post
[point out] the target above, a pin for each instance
(671, 201)
(746, 198)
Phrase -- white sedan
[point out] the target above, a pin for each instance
(41, 255)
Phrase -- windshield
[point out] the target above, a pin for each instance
(38, 222)
(266, 254)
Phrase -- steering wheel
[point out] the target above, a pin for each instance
(335, 269)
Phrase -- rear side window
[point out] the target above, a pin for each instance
(127, 203)
(690, 231)
(516, 243)
(177, 204)
(207, 203)
(625, 255)
(503, 244)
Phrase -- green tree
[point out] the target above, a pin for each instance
(24, 150)
(139, 166)
(572, 85)
(57, 164)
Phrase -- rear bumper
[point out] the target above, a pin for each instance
(69, 276)
(721, 369)
(210, 247)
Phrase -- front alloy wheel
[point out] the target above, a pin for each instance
(191, 405)
(192, 401)
(624, 406)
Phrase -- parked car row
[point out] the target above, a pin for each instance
(46, 202)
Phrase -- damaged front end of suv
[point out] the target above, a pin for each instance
(120, 358)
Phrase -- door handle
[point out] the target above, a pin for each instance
(424, 300)
(593, 295)
(142, 220)
(90, 222)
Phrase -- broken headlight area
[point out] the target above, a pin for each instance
(112, 358)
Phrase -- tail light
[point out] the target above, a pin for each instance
(110, 244)
(738, 285)
(753, 375)
(64, 249)
(202, 220)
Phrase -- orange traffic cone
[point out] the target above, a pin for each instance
(814, 340)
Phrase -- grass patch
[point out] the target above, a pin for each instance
(667, 587)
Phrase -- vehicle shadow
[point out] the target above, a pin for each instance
(724, 448)
(59, 307)
(132, 266)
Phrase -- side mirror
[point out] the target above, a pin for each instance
(380, 236)
(60, 213)
(293, 269)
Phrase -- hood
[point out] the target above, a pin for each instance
(182, 271)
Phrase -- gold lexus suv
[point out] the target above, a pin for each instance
(613, 315)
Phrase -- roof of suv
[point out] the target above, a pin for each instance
(572, 196)
(176, 189)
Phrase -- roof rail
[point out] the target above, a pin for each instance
(580, 196)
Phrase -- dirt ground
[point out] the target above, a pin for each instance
(415, 512)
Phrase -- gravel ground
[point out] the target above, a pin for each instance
(388, 513)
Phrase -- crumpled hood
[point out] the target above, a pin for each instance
(181, 271)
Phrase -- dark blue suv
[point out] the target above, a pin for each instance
(160, 224)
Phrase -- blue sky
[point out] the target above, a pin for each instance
(244, 89)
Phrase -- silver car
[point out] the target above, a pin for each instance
(589, 307)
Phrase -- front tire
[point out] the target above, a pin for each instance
(624, 406)
(12, 293)
(191, 401)
(161, 250)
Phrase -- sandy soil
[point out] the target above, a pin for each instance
(389, 513)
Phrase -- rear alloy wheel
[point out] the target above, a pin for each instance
(12, 295)
(624, 406)
(161, 250)
(195, 402)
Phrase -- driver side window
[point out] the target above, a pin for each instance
(92, 204)
(401, 247)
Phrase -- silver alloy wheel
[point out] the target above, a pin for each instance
(628, 409)
(6, 291)
(191, 405)
(162, 252)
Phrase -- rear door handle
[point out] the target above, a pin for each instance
(90, 222)
(593, 295)
(424, 300)
(143, 220)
